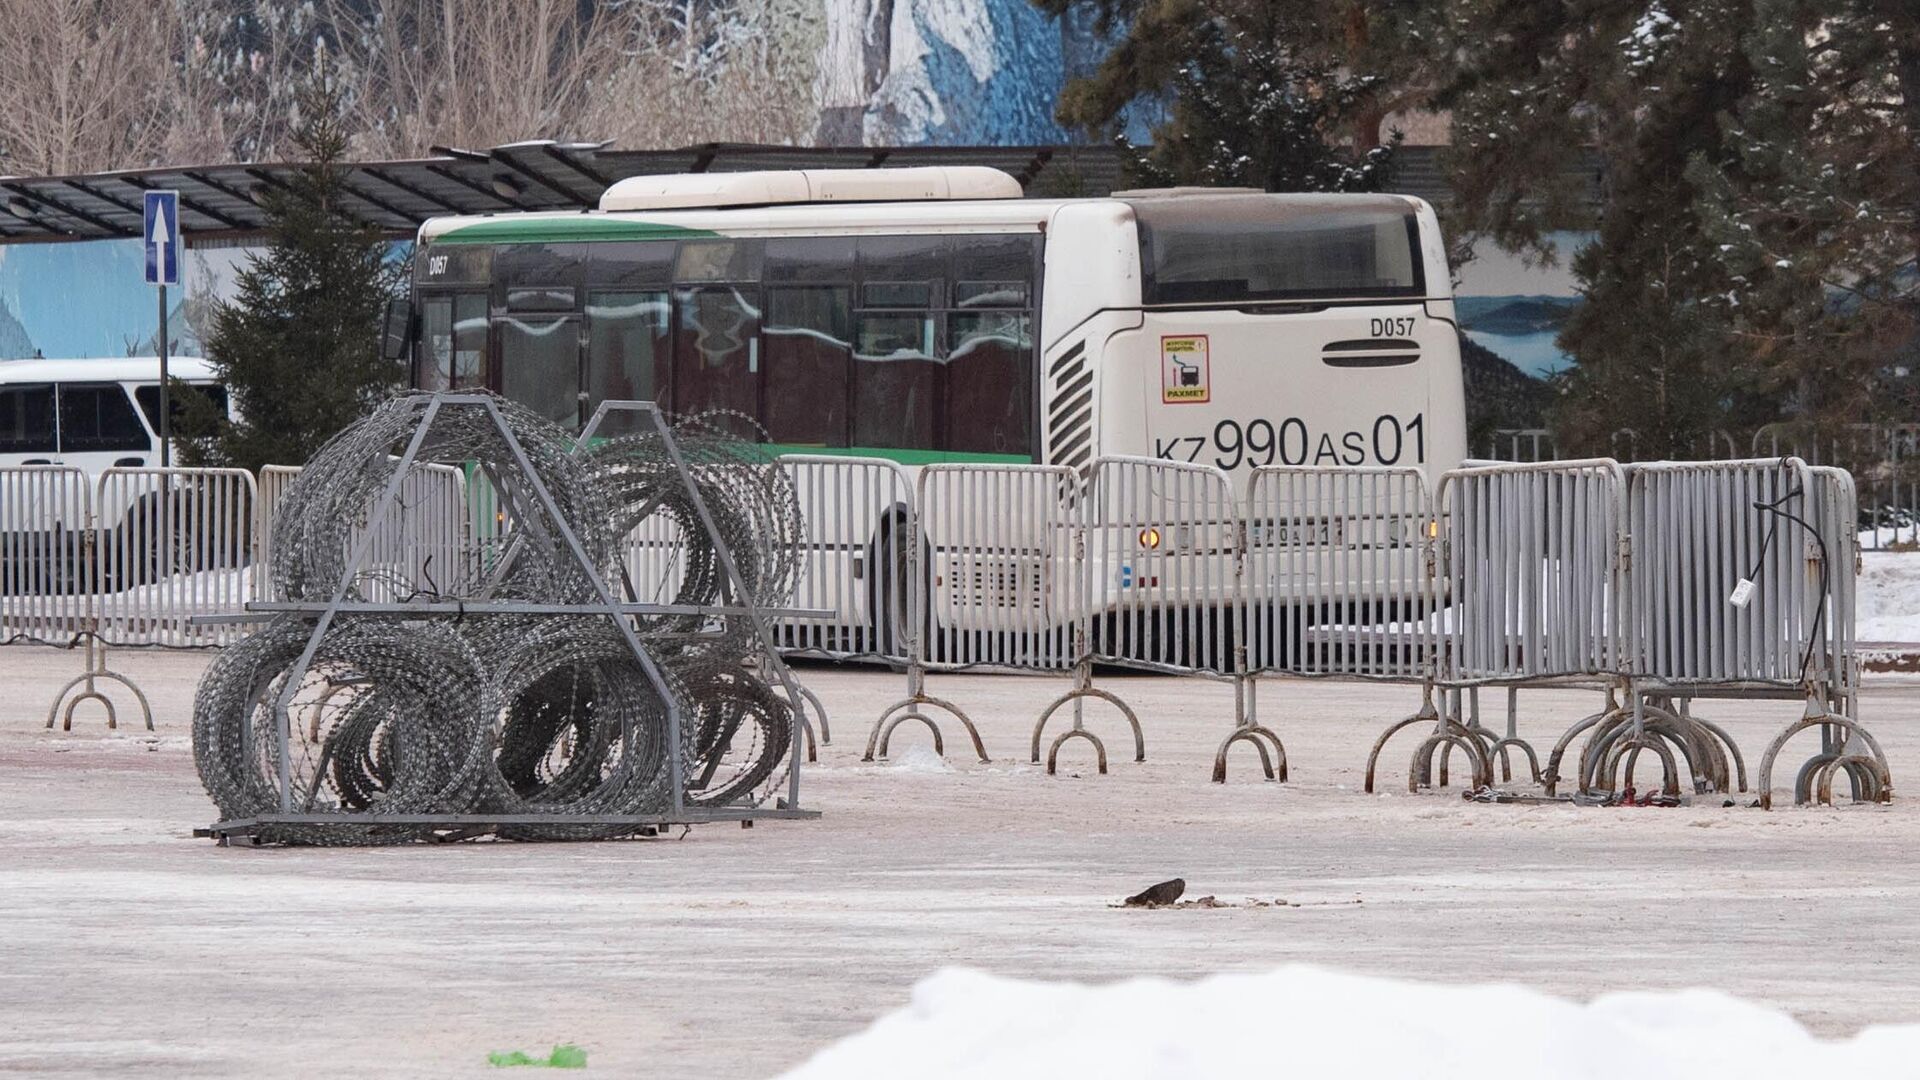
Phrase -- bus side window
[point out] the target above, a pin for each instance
(896, 381)
(990, 382)
(626, 346)
(990, 375)
(808, 349)
(716, 350)
(897, 372)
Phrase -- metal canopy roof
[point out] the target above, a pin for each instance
(221, 201)
(396, 196)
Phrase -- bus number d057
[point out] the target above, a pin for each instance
(1389, 440)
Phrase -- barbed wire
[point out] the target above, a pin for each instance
(543, 717)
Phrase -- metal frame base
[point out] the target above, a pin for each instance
(242, 831)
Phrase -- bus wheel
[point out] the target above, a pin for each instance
(161, 546)
(889, 597)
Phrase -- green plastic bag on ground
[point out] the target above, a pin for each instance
(567, 1056)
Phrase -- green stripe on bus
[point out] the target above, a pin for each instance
(906, 457)
(563, 230)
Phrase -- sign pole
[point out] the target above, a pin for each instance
(166, 406)
(160, 232)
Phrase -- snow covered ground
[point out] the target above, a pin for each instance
(1307, 1021)
(128, 946)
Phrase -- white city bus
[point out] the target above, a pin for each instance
(934, 315)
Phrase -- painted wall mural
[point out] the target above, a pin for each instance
(1515, 309)
(89, 299)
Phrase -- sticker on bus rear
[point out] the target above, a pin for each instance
(1185, 378)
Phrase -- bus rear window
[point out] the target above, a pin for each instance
(1230, 248)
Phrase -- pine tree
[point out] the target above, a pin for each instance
(1817, 221)
(1759, 203)
(1281, 95)
(298, 346)
(1653, 361)
(1247, 112)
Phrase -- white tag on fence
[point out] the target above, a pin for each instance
(1742, 594)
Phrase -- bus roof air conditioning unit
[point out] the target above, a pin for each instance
(688, 191)
(1183, 192)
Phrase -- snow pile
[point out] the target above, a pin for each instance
(919, 758)
(1888, 604)
(1304, 1021)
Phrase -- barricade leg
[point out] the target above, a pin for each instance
(914, 707)
(1644, 726)
(1420, 772)
(1488, 742)
(810, 706)
(1495, 747)
(1705, 746)
(1624, 754)
(1713, 762)
(1512, 741)
(96, 670)
(1248, 729)
(819, 709)
(1550, 780)
(1606, 763)
(1427, 714)
(1447, 732)
(1717, 735)
(1083, 689)
(1857, 752)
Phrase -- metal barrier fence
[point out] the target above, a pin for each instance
(46, 554)
(172, 544)
(1569, 574)
(273, 483)
(1697, 534)
(130, 557)
(1533, 563)
(858, 516)
(421, 544)
(1656, 584)
(1884, 460)
(135, 555)
(1337, 575)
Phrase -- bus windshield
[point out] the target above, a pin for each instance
(1233, 248)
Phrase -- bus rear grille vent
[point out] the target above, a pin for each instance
(1370, 352)
(1070, 415)
(999, 584)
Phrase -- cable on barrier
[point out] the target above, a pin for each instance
(1820, 605)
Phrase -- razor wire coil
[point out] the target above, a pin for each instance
(537, 716)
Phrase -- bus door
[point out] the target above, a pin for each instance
(540, 337)
(453, 341)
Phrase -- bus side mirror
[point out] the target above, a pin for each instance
(396, 334)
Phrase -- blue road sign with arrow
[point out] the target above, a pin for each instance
(160, 232)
